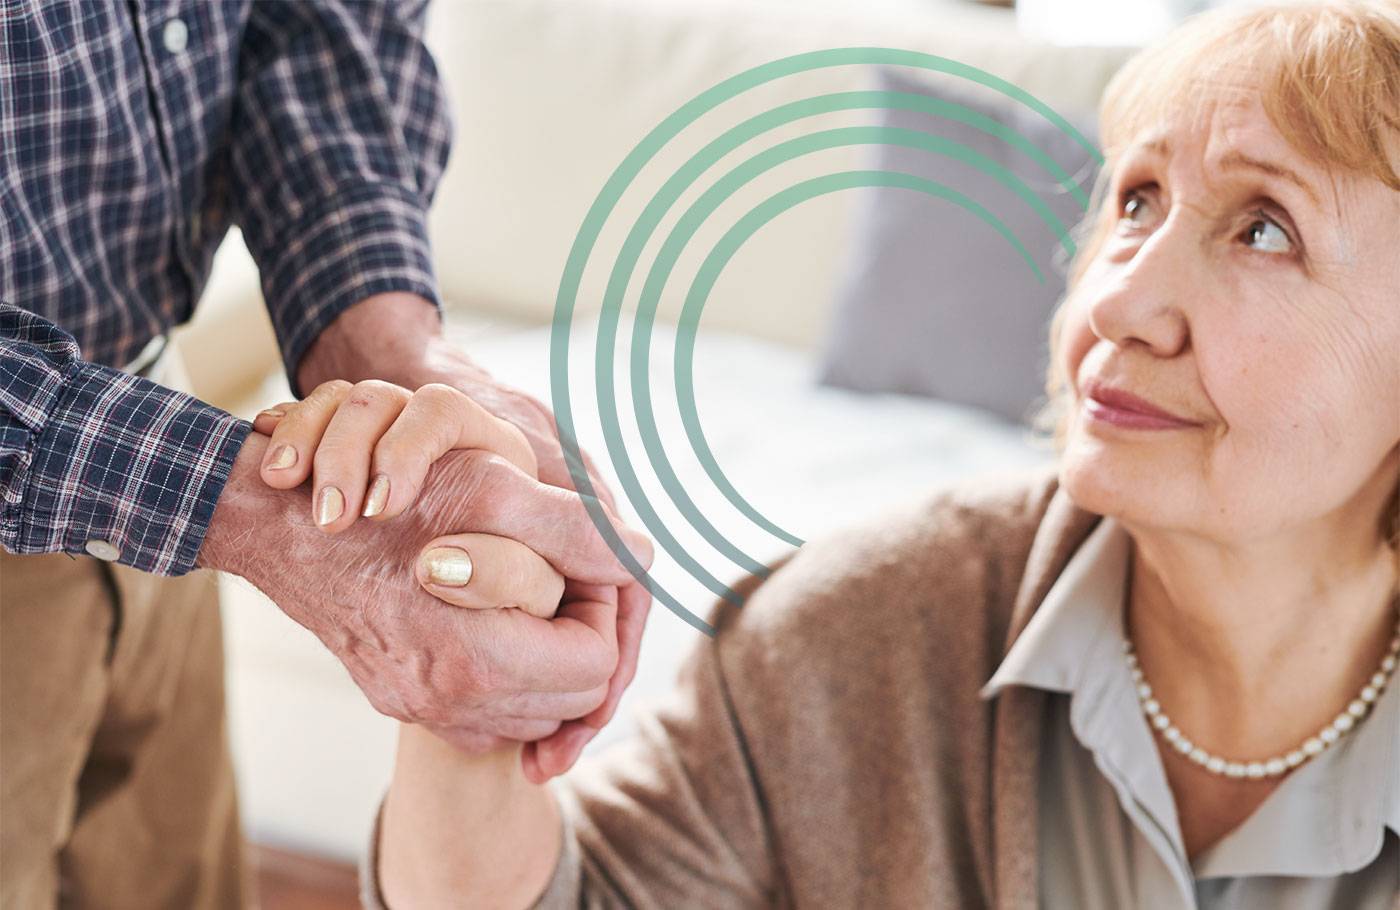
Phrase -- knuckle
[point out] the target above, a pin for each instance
(478, 679)
(372, 391)
(334, 388)
(489, 485)
(440, 398)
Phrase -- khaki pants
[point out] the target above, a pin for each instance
(116, 788)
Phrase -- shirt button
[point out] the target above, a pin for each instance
(175, 36)
(102, 550)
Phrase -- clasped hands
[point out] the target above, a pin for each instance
(461, 592)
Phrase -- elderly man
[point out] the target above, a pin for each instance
(132, 135)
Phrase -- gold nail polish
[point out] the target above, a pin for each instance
(284, 457)
(448, 566)
(330, 506)
(377, 497)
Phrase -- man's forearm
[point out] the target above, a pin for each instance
(463, 830)
(396, 337)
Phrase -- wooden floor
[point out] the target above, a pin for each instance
(295, 881)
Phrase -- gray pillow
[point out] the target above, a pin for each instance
(933, 300)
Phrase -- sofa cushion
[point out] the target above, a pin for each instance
(934, 300)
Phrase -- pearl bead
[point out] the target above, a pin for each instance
(1272, 767)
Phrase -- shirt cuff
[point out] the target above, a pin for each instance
(370, 239)
(126, 470)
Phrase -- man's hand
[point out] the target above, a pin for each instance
(480, 677)
(397, 337)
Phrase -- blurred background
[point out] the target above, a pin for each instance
(860, 347)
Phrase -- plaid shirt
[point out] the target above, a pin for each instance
(132, 134)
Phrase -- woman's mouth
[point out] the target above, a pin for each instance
(1130, 419)
(1123, 409)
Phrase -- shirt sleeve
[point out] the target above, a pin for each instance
(670, 815)
(341, 130)
(94, 460)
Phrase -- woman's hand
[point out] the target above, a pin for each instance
(368, 446)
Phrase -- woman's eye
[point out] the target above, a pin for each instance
(1265, 231)
(1132, 205)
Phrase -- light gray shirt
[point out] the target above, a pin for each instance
(1328, 836)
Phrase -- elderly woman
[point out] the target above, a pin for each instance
(1158, 675)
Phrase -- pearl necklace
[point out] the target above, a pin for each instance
(1272, 767)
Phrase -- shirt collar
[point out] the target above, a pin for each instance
(1326, 818)
(1050, 652)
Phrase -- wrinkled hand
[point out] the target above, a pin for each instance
(478, 677)
(397, 337)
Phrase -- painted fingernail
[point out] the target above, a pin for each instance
(330, 506)
(282, 457)
(377, 497)
(448, 566)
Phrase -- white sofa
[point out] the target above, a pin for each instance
(549, 96)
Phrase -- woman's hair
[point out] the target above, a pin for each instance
(1328, 77)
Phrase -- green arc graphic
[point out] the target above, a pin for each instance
(621, 178)
(665, 261)
(728, 245)
(645, 225)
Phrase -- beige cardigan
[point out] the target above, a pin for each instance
(828, 747)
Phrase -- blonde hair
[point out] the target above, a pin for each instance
(1328, 77)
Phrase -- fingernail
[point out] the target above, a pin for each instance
(272, 412)
(639, 544)
(448, 566)
(282, 457)
(330, 506)
(377, 497)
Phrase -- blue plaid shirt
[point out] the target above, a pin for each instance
(132, 135)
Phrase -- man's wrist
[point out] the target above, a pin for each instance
(250, 517)
(395, 336)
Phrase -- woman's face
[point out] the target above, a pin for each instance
(1264, 312)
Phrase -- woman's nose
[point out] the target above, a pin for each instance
(1141, 299)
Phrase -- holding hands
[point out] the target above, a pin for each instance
(367, 449)
(462, 593)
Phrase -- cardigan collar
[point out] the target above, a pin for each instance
(1019, 712)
